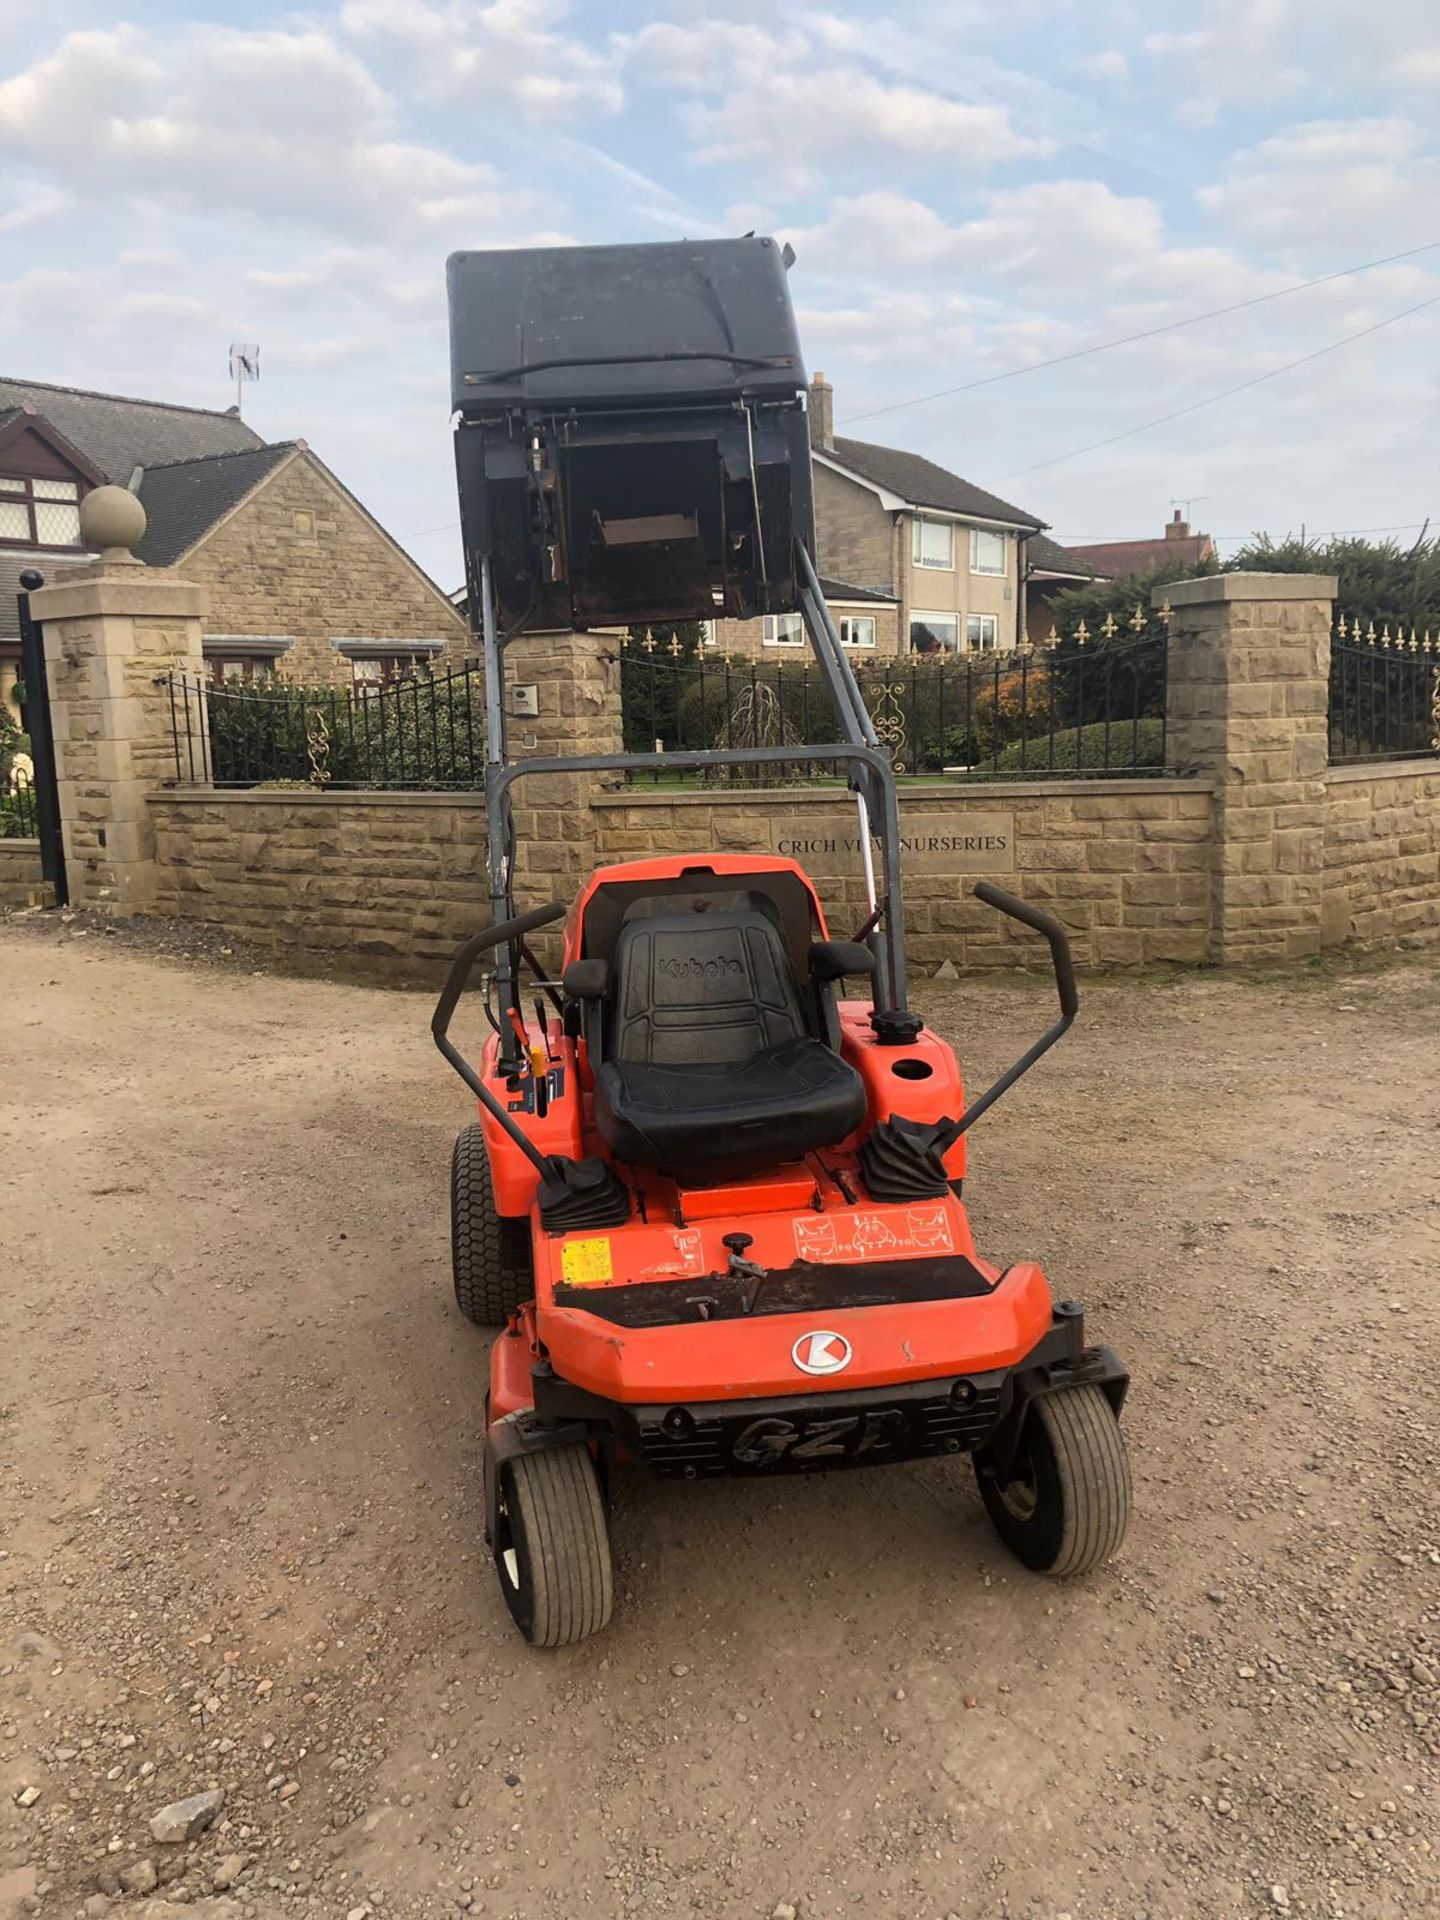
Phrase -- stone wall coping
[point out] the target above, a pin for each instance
(309, 797)
(974, 793)
(1216, 587)
(18, 844)
(1381, 770)
(154, 592)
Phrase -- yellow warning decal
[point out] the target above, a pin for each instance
(586, 1263)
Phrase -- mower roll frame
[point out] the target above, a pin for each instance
(871, 777)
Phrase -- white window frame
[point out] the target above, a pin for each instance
(977, 534)
(918, 528)
(707, 634)
(772, 635)
(848, 623)
(982, 621)
(919, 618)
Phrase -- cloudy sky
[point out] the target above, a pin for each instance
(969, 188)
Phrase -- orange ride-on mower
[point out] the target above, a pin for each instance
(714, 1208)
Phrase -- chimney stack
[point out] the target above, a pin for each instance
(822, 412)
(1178, 529)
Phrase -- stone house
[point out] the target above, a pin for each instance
(912, 556)
(301, 579)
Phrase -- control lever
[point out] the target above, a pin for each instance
(743, 1269)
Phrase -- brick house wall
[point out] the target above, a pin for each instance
(300, 558)
(854, 535)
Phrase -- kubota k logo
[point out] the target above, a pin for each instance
(821, 1352)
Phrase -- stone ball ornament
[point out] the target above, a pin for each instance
(112, 519)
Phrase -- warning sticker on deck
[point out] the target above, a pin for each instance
(871, 1236)
(685, 1261)
(587, 1263)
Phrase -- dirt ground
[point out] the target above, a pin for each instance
(240, 1496)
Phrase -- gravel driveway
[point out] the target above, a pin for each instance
(240, 1498)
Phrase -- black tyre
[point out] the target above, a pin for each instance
(490, 1257)
(552, 1546)
(1064, 1505)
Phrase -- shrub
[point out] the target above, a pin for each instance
(413, 733)
(1133, 743)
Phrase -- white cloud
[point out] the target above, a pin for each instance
(1418, 68)
(45, 203)
(1255, 51)
(283, 125)
(512, 50)
(1110, 65)
(1347, 183)
(1053, 234)
(761, 98)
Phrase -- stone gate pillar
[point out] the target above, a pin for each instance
(575, 680)
(114, 629)
(1247, 699)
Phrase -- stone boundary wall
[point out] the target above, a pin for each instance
(395, 878)
(378, 876)
(1125, 864)
(19, 872)
(1382, 854)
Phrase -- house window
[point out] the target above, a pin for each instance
(857, 632)
(784, 630)
(932, 544)
(707, 633)
(980, 632)
(382, 669)
(235, 669)
(934, 632)
(377, 660)
(39, 513)
(238, 659)
(987, 551)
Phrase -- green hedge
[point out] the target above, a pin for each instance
(1133, 744)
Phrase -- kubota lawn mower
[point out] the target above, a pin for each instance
(714, 1207)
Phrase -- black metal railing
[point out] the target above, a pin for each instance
(427, 732)
(1384, 693)
(1035, 713)
(17, 805)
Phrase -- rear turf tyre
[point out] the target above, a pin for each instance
(489, 1257)
(552, 1546)
(1064, 1505)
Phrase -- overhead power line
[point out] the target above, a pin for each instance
(1147, 333)
(1324, 533)
(1227, 393)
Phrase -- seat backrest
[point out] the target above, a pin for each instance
(706, 988)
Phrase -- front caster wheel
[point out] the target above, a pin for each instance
(552, 1546)
(1064, 1504)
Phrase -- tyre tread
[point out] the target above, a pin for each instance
(571, 1576)
(1095, 1472)
(490, 1282)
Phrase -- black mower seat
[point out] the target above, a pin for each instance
(710, 1073)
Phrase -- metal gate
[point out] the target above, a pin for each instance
(35, 717)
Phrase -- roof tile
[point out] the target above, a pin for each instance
(923, 484)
